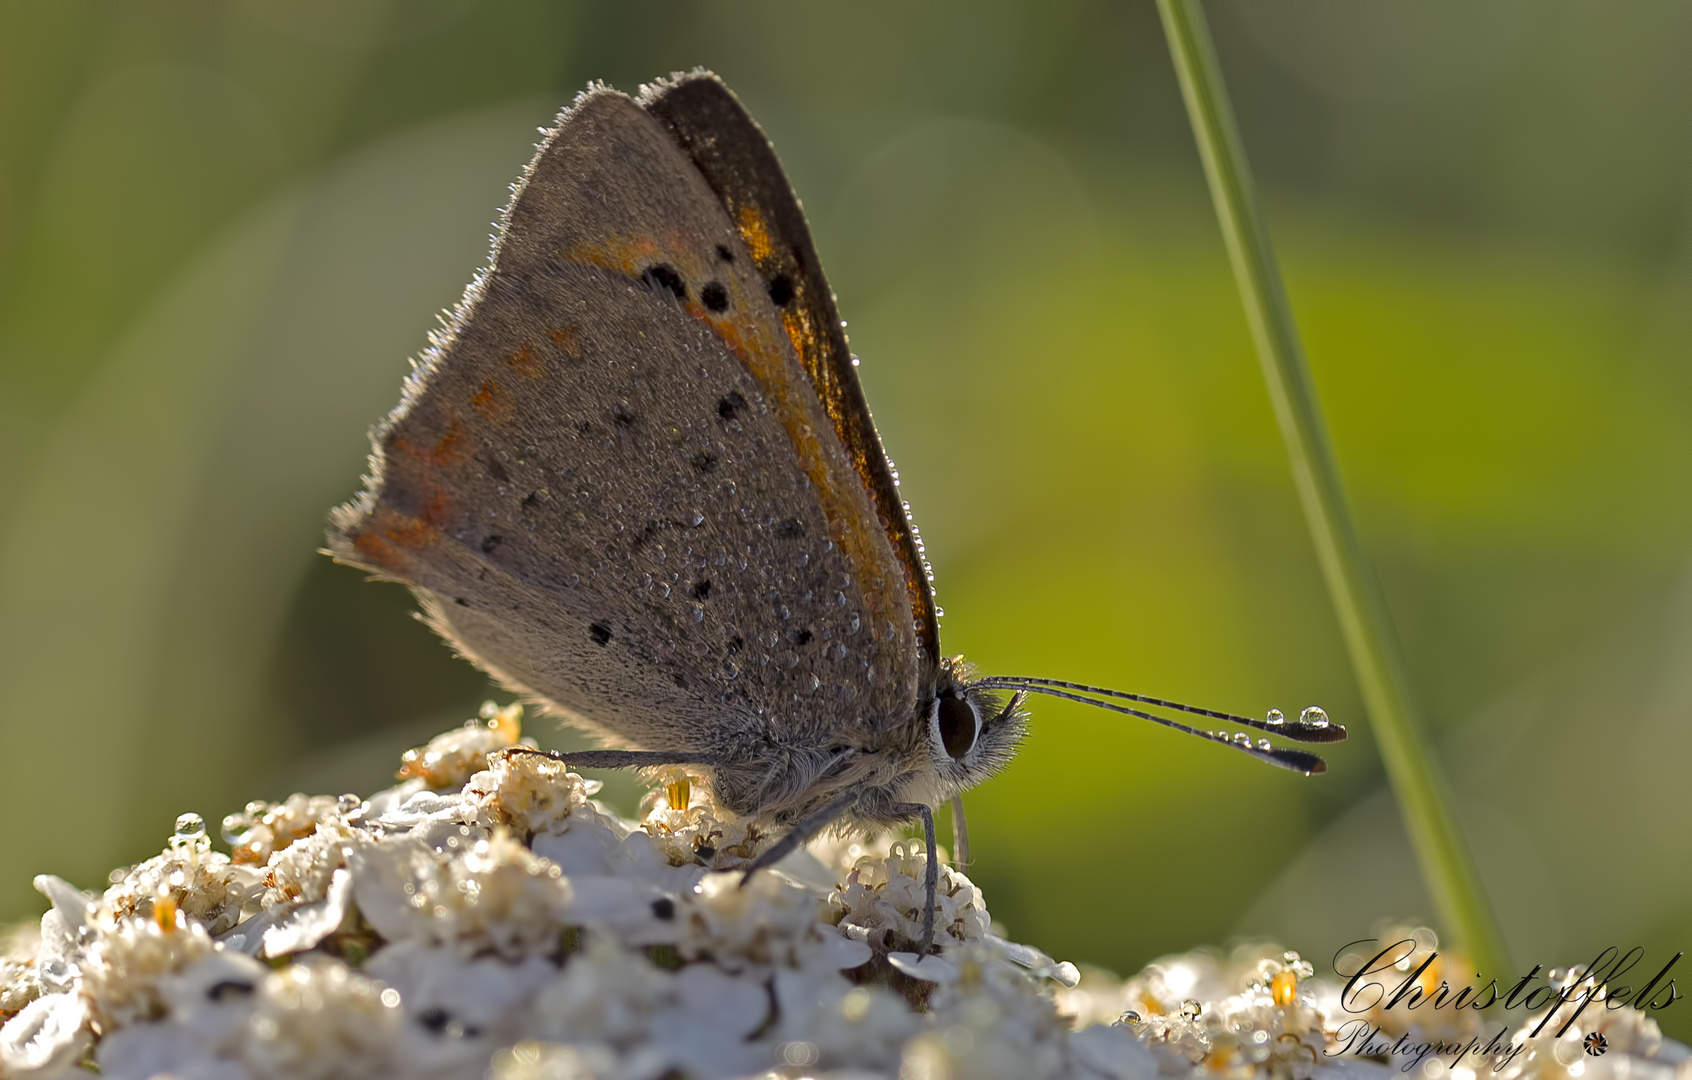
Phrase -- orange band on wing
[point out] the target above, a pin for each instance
(787, 391)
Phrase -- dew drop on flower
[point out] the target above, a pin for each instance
(189, 826)
(1314, 716)
(1129, 1017)
(1277, 717)
(1190, 1009)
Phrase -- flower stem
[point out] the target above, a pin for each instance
(1447, 866)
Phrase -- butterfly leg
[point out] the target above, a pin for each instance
(814, 822)
(931, 880)
(960, 833)
(616, 759)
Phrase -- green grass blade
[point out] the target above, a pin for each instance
(1447, 866)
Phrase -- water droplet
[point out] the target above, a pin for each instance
(1277, 717)
(852, 624)
(1265, 744)
(695, 519)
(1241, 739)
(1129, 1017)
(837, 651)
(348, 802)
(1190, 1009)
(189, 826)
(1314, 716)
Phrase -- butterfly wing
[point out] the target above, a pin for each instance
(612, 486)
(730, 150)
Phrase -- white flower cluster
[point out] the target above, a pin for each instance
(487, 918)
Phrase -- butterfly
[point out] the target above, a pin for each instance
(634, 478)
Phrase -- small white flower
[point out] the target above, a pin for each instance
(122, 977)
(320, 1020)
(204, 885)
(766, 921)
(689, 829)
(529, 794)
(881, 901)
(847, 1026)
(496, 895)
(264, 828)
(450, 759)
(302, 872)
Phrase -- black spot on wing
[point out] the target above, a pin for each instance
(781, 290)
(714, 296)
(724, 253)
(730, 405)
(791, 529)
(490, 544)
(664, 276)
(601, 634)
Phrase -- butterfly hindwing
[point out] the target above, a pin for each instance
(611, 484)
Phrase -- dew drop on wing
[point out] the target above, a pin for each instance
(1315, 716)
(1241, 739)
(1276, 717)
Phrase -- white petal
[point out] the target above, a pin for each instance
(140, 1051)
(933, 968)
(248, 937)
(736, 1007)
(388, 882)
(305, 926)
(580, 849)
(1113, 1053)
(48, 1034)
(844, 952)
(70, 902)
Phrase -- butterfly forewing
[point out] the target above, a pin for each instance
(612, 485)
(739, 163)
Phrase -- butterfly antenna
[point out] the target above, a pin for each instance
(1312, 726)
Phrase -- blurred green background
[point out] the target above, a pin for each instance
(224, 228)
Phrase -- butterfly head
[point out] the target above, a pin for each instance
(969, 732)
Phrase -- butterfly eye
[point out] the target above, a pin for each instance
(958, 725)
